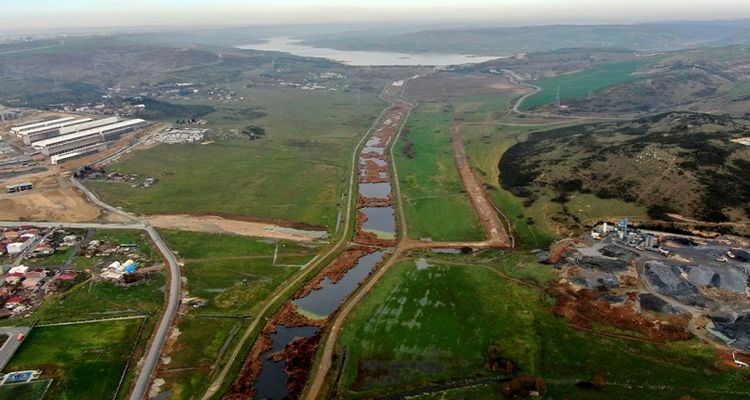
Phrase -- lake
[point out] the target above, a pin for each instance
(364, 58)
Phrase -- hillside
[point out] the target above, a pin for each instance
(509, 40)
(680, 163)
(714, 81)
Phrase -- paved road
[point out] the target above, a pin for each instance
(11, 344)
(173, 298)
(140, 389)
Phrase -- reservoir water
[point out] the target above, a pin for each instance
(363, 58)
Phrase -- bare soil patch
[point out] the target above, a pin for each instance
(217, 224)
(442, 85)
(63, 205)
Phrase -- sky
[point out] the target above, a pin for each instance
(59, 14)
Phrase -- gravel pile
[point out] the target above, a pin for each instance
(737, 330)
(602, 264)
(728, 278)
(667, 280)
(622, 253)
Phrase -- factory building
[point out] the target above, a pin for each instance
(45, 132)
(19, 187)
(80, 125)
(79, 144)
(20, 129)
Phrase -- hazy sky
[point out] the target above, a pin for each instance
(53, 14)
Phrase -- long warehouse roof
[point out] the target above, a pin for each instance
(93, 124)
(57, 125)
(38, 124)
(88, 132)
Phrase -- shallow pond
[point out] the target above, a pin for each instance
(322, 302)
(379, 190)
(380, 219)
(271, 383)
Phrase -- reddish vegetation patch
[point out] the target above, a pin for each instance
(299, 358)
(371, 154)
(288, 316)
(559, 250)
(583, 309)
(371, 239)
(372, 172)
(243, 386)
(363, 201)
(336, 270)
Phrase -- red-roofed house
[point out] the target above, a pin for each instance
(13, 302)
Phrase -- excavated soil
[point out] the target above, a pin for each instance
(583, 309)
(488, 216)
(218, 224)
(63, 205)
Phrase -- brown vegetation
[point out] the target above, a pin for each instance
(524, 386)
(583, 309)
(299, 358)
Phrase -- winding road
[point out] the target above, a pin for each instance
(173, 297)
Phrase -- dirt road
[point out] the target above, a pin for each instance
(488, 217)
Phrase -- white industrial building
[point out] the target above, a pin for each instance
(20, 129)
(69, 138)
(45, 132)
(81, 143)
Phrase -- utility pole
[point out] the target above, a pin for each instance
(557, 98)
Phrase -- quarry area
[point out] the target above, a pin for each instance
(663, 285)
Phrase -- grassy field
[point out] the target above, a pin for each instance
(435, 202)
(580, 84)
(297, 172)
(414, 330)
(87, 366)
(234, 274)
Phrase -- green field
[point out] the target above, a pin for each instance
(297, 172)
(422, 327)
(234, 274)
(85, 361)
(436, 205)
(580, 84)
